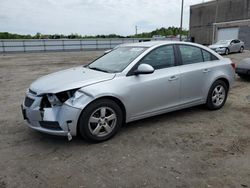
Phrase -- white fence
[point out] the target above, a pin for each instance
(46, 45)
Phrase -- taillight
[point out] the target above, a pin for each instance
(233, 65)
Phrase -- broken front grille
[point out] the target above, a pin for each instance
(28, 101)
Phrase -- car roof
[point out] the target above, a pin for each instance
(154, 43)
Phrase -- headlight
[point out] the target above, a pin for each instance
(222, 48)
(50, 99)
(53, 100)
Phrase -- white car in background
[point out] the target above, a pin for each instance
(228, 46)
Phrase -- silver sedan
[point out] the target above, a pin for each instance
(132, 82)
(228, 46)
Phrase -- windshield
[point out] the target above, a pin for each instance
(116, 60)
(223, 42)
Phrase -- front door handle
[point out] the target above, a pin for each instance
(206, 70)
(172, 78)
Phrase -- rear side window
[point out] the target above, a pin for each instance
(161, 57)
(208, 56)
(190, 54)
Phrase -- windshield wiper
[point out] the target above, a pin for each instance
(98, 69)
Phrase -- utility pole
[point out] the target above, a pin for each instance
(182, 4)
(136, 29)
(215, 21)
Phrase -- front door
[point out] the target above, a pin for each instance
(153, 93)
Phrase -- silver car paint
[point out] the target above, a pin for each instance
(142, 96)
(68, 79)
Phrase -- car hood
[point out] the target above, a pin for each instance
(73, 78)
(218, 46)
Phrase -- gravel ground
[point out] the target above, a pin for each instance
(188, 148)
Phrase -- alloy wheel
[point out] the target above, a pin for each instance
(102, 121)
(241, 50)
(218, 95)
(227, 52)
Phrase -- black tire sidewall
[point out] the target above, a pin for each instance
(227, 51)
(86, 113)
(209, 102)
(241, 49)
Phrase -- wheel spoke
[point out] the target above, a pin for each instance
(218, 101)
(214, 97)
(221, 90)
(103, 112)
(222, 97)
(216, 90)
(97, 129)
(111, 117)
(107, 128)
(93, 119)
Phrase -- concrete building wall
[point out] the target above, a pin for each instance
(207, 18)
(244, 35)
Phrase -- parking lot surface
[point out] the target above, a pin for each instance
(188, 148)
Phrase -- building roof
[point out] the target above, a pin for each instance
(203, 4)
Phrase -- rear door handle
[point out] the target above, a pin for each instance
(172, 78)
(206, 70)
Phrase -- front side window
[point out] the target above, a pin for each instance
(190, 54)
(116, 60)
(161, 57)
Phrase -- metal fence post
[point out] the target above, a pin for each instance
(81, 45)
(24, 50)
(44, 45)
(63, 45)
(3, 46)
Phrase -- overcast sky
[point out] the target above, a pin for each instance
(90, 17)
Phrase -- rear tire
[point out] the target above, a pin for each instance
(217, 95)
(241, 49)
(100, 120)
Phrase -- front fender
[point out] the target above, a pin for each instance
(86, 98)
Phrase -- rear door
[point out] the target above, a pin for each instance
(237, 45)
(195, 72)
(233, 46)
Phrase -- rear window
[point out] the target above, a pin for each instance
(190, 54)
(208, 56)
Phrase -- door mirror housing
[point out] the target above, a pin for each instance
(144, 69)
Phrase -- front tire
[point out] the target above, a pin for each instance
(100, 120)
(227, 51)
(217, 95)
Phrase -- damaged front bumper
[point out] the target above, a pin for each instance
(54, 120)
(220, 51)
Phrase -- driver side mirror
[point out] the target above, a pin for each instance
(144, 69)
